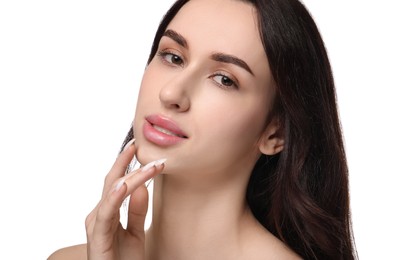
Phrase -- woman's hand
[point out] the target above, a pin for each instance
(106, 238)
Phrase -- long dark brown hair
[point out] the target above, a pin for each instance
(301, 194)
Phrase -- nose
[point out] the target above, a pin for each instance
(175, 95)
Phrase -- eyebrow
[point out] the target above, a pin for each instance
(225, 58)
(176, 37)
(220, 57)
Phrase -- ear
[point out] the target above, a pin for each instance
(272, 139)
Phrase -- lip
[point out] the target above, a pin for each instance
(162, 131)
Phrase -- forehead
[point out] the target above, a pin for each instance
(228, 26)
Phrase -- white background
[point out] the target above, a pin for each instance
(69, 76)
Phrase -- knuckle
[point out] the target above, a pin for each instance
(107, 179)
(89, 220)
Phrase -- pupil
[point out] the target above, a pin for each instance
(226, 81)
(176, 59)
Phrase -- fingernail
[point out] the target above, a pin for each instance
(129, 144)
(152, 164)
(160, 162)
(119, 184)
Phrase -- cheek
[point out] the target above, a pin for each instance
(235, 129)
(149, 92)
(146, 83)
(239, 125)
(229, 140)
(236, 115)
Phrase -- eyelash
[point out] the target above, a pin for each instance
(163, 55)
(221, 74)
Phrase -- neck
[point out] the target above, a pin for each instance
(194, 218)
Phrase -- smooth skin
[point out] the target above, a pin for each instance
(199, 206)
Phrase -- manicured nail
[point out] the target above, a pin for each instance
(152, 164)
(119, 184)
(160, 162)
(129, 144)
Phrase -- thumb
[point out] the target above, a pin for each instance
(138, 206)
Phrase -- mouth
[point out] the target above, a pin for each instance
(167, 132)
(163, 131)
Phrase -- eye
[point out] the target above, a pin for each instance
(224, 81)
(171, 58)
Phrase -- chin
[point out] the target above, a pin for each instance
(146, 154)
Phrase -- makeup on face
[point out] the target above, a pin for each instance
(162, 131)
(203, 96)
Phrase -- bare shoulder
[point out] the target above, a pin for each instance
(276, 249)
(261, 244)
(78, 252)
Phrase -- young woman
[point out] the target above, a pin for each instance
(237, 123)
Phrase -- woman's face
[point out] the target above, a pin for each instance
(205, 96)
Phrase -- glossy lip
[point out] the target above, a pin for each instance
(159, 138)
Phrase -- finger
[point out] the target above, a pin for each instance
(140, 176)
(127, 153)
(89, 221)
(107, 217)
(119, 167)
(137, 212)
(138, 205)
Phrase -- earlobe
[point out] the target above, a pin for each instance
(272, 139)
